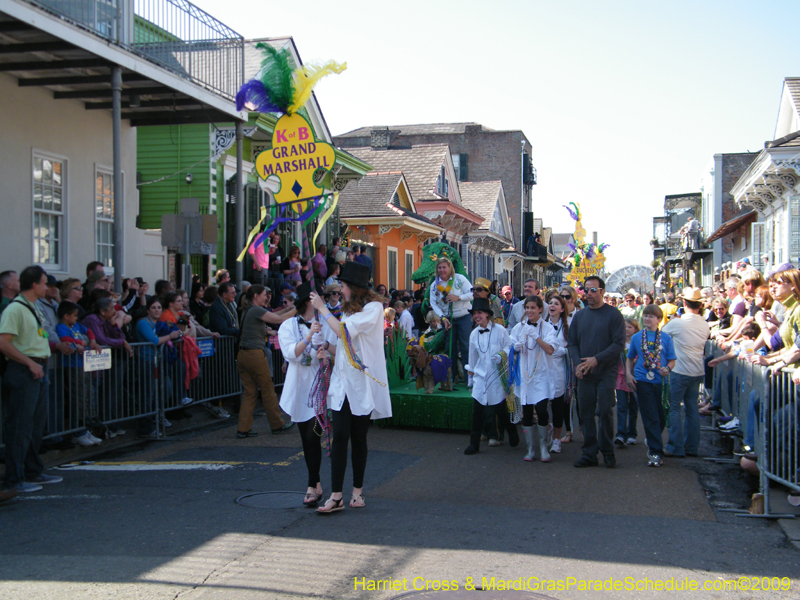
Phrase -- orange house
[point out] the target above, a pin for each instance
(380, 213)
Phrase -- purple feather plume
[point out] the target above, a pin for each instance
(572, 213)
(255, 94)
(572, 247)
(590, 251)
(603, 247)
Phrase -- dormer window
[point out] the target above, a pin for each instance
(442, 187)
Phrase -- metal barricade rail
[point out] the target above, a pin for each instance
(751, 393)
(136, 388)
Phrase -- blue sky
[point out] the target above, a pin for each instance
(623, 102)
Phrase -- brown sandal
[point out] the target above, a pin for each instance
(335, 505)
(567, 438)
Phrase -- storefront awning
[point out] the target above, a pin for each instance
(729, 227)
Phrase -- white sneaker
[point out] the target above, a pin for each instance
(494, 442)
(165, 422)
(83, 440)
(630, 442)
(556, 446)
(94, 439)
(186, 401)
(731, 425)
(217, 411)
(653, 460)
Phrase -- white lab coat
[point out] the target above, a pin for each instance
(364, 394)
(487, 387)
(558, 362)
(534, 365)
(299, 377)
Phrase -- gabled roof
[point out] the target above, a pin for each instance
(369, 196)
(372, 196)
(481, 197)
(421, 166)
(793, 139)
(417, 129)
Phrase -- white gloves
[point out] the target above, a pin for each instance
(518, 346)
(317, 339)
(497, 359)
(533, 333)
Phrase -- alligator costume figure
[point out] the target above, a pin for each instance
(427, 268)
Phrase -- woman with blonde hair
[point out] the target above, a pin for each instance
(451, 300)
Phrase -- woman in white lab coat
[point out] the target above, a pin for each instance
(358, 391)
(534, 338)
(300, 339)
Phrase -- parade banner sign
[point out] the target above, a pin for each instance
(294, 158)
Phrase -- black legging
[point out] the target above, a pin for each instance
(541, 414)
(312, 450)
(348, 427)
(560, 412)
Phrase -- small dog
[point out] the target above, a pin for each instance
(430, 369)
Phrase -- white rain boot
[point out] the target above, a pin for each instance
(545, 455)
(530, 440)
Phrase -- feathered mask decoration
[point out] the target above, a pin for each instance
(279, 88)
(576, 213)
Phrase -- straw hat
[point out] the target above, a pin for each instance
(692, 294)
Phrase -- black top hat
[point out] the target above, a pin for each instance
(303, 292)
(354, 273)
(482, 304)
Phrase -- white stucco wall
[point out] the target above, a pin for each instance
(30, 120)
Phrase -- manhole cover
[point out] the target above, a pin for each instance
(272, 500)
(472, 595)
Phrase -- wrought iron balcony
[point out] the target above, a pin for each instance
(175, 34)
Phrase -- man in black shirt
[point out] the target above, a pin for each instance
(595, 342)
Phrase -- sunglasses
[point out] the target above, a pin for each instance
(77, 289)
(336, 294)
(594, 290)
(567, 297)
(479, 290)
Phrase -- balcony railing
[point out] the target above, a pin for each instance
(175, 34)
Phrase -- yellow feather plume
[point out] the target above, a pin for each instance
(307, 77)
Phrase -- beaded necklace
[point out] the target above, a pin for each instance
(489, 343)
(306, 358)
(652, 353)
(534, 349)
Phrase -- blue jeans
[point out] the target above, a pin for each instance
(461, 327)
(596, 401)
(684, 390)
(652, 415)
(25, 402)
(627, 414)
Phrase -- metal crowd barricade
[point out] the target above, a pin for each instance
(739, 384)
(134, 388)
(217, 374)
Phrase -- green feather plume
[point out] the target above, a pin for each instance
(276, 75)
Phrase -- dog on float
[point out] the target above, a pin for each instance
(429, 369)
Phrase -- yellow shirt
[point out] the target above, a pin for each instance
(25, 330)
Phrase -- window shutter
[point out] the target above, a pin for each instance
(462, 167)
(757, 235)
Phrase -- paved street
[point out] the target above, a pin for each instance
(160, 520)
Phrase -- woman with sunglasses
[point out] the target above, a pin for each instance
(570, 296)
(291, 267)
(785, 287)
(333, 299)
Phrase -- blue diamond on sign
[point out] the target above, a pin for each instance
(297, 188)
